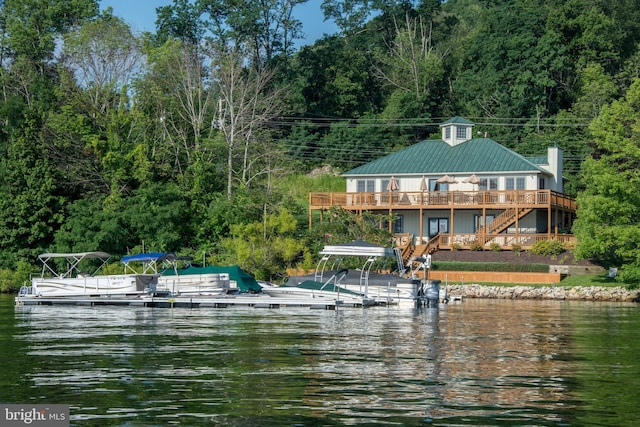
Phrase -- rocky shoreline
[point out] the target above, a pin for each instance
(574, 293)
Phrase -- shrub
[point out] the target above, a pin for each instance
(475, 246)
(495, 247)
(516, 248)
(547, 247)
(456, 247)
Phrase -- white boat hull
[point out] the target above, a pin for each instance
(123, 284)
(402, 293)
(200, 284)
(293, 292)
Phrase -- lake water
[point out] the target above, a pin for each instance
(478, 362)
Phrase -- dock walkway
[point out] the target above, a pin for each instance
(215, 301)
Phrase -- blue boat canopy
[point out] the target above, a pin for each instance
(150, 257)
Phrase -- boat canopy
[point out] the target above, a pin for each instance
(152, 262)
(72, 261)
(151, 256)
(245, 281)
(358, 248)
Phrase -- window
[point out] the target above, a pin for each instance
(461, 132)
(509, 184)
(447, 133)
(384, 184)
(438, 225)
(365, 186)
(514, 183)
(433, 184)
(398, 224)
(488, 184)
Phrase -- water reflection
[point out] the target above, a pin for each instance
(478, 362)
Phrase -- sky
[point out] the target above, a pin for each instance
(141, 16)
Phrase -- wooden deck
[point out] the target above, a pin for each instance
(514, 204)
(535, 199)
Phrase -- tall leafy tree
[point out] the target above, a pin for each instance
(265, 247)
(268, 26)
(31, 193)
(180, 20)
(607, 226)
(31, 199)
(413, 68)
(98, 63)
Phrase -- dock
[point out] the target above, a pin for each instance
(195, 301)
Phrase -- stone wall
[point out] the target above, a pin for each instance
(577, 293)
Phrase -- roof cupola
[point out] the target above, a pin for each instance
(456, 131)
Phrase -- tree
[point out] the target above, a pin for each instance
(31, 199)
(335, 79)
(31, 189)
(103, 56)
(175, 91)
(89, 226)
(98, 63)
(413, 68)
(180, 21)
(267, 26)
(607, 227)
(32, 26)
(267, 247)
(248, 100)
(341, 226)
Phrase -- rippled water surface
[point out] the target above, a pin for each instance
(470, 363)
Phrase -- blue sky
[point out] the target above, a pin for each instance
(141, 16)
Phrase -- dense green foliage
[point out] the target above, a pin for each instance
(185, 139)
(607, 226)
(547, 247)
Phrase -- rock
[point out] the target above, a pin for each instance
(578, 293)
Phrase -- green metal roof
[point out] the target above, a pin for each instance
(539, 160)
(436, 156)
(457, 120)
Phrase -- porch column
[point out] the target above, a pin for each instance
(549, 221)
(452, 228)
(517, 219)
(421, 225)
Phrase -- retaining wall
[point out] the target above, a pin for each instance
(576, 293)
(494, 277)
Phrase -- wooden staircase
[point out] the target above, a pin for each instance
(501, 223)
(410, 251)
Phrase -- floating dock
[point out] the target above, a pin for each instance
(215, 301)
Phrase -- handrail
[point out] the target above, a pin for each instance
(417, 199)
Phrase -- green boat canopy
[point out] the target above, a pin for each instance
(246, 282)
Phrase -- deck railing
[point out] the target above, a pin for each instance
(440, 199)
(503, 241)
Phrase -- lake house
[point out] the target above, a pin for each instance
(460, 192)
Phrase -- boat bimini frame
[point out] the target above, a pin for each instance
(72, 262)
(359, 249)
